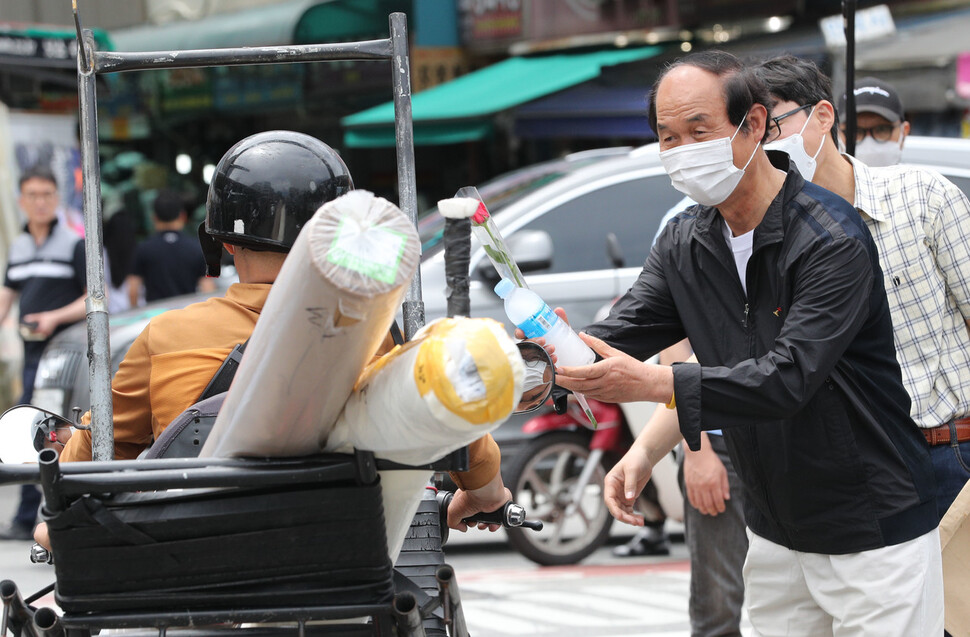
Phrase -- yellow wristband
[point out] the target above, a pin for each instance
(672, 403)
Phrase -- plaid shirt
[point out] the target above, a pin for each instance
(921, 224)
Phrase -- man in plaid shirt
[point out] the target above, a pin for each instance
(921, 225)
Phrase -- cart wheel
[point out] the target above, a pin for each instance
(421, 555)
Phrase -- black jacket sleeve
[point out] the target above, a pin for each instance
(830, 304)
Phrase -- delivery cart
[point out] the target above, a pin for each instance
(205, 546)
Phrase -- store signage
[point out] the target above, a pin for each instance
(494, 24)
(436, 65)
(24, 46)
(491, 19)
(870, 24)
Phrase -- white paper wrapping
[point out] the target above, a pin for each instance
(454, 382)
(401, 493)
(327, 313)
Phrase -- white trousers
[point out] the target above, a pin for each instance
(894, 591)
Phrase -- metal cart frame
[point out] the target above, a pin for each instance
(92, 63)
(410, 606)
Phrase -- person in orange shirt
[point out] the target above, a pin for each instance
(256, 220)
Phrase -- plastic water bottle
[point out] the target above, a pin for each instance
(535, 318)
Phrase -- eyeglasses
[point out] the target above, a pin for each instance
(774, 126)
(880, 132)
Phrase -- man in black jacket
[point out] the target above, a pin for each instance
(776, 283)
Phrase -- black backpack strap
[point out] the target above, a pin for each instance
(223, 377)
(115, 526)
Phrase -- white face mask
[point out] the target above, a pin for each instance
(794, 145)
(705, 171)
(873, 153)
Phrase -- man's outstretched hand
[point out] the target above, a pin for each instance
(623, 485)
(42, 536)
(618, 377)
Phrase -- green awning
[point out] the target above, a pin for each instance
(293, 22)
(439, 113)
(425, 135)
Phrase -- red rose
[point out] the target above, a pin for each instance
(481, 214)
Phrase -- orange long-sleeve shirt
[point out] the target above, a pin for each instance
(176, 356)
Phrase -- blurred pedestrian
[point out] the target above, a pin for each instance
(169, 263)
(119, 248)
(921, 224)
(881, 126)
(46, 273)
(776, 283)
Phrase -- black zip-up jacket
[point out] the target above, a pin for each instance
(800, 372)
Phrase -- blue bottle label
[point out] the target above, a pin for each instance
(539, 323)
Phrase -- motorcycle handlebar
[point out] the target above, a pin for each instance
(510, 515)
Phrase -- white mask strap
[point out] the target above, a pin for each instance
(751, 156)
(736, 134)
(738, 129)
(807, 119)
(821, 142)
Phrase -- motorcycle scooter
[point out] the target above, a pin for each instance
(558, 477)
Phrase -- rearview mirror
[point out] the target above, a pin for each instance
(530, 249)
(613, 251)
(540, 375)
(25, 430)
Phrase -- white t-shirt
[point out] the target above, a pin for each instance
(741, 247)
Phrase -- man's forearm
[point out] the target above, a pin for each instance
(7, 297)
(705, 446)
(676, 353)
(133, 285)
(660, 435)
(72, 312)
(662, 432)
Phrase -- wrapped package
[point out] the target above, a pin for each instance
(454, 382)
(401, 493)
(325, 317)
(955, 542)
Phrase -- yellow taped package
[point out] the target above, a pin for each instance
(457, 380)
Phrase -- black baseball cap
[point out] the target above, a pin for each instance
(873, 95)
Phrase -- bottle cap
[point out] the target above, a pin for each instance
(503, 287)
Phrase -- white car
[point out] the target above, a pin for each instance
(558, 217)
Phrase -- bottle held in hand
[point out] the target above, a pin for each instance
(535, 318)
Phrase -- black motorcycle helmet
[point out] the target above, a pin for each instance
(265, 188)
